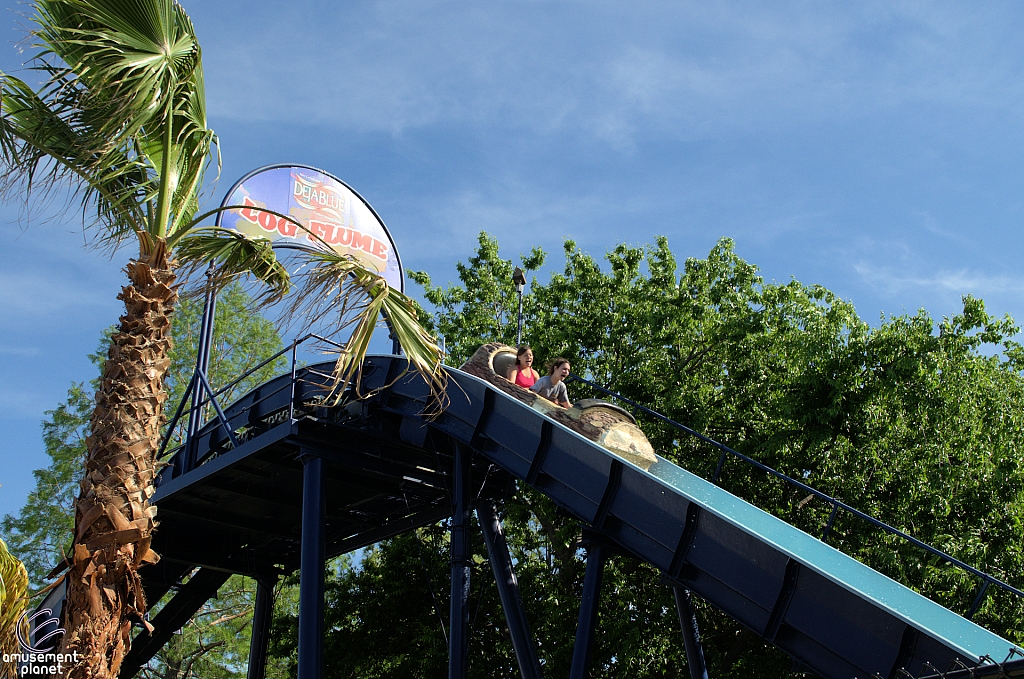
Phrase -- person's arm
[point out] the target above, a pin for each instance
(510, 374)
(563, 393)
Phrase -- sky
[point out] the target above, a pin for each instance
(874, 148)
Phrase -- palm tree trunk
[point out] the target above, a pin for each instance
(113, 519)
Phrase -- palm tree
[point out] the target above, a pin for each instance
(120, 120)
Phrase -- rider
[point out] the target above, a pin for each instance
(521, 372)
(552, 386)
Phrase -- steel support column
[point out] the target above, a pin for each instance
(508, 590)
(597, 552)
(691, 634)
(311, 569)
(458, 625)
(260, 629)
(203, 350)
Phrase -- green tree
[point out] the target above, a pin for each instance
(486, 300)
(913, 420)
(40, 534)
(214, 643)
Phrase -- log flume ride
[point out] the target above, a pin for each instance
(281, 481)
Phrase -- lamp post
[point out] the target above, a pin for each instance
(519, 278)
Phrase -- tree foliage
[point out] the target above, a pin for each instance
(41, 532)
(486, 302)
(214, 643)
(914, 420)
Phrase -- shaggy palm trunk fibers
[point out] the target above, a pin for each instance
(113, 518)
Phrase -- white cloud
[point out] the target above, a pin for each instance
(897, 282)
(20, 351)
(33, 294)
(25, 403)
(683, 70)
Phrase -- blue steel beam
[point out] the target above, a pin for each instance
(582, 650)
(262, 612)
(311, 570)
(691, 634)
(508, 590)
(191, 596)
(458, 626)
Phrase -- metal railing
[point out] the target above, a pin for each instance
(211, 397)
(726, 451)
(987, 666)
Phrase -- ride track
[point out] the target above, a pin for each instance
(278, 482)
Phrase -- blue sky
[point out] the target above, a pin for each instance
(874, 148)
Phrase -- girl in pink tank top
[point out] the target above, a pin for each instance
(522, 373)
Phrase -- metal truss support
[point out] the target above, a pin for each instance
(458, 626)
(508, 590)
(311, 569)
(691, 634)
(260, 629)
(597, 552)
(204, 348)
(190, 597)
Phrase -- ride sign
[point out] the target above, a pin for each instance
(329, 210)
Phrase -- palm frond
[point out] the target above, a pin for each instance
(235, 254)
(336, 288)
(41, 149)
(122, 114)
(127, 57)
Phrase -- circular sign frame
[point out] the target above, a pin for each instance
(323, 204)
